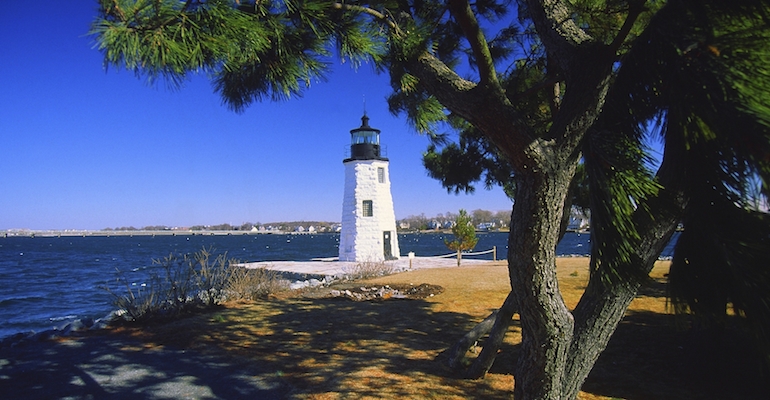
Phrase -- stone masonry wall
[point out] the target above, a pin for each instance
(361, 238)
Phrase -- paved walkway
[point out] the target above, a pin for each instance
(339, 268)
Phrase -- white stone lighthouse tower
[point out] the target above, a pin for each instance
(368, 221)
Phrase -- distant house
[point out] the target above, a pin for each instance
(577, 223)
(485, 226)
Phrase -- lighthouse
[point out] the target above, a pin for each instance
(368, 220)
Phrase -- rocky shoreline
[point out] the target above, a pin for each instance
(68, 329)
(375, 292)
(318, 287)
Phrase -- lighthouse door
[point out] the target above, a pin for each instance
(387, 248)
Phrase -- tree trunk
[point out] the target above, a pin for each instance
(559, 348)
(546, 323)
(459, 256)
(601, 308)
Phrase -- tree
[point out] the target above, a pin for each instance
(465, 235)
(481, 216)
(542, 85)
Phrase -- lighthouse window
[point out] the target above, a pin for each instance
(381, 174)
(368, 208)
(365, 137)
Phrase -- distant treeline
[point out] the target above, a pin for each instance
(319, 226)
(480, 218)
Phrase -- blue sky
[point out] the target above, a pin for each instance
(85, 148)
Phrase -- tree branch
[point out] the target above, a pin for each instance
(557, 30)
(503, 320)
(486, 107)
(456, 353)
(636, 8)
(372, 12)
(600, 306)
(461, 10)
(445, 84)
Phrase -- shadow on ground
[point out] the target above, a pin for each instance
(291, 348)
(335, 348)
(651, 355)
(114, 366)
(380, 349)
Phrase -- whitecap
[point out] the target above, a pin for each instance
(53, 319)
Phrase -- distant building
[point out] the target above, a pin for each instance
(485, 226)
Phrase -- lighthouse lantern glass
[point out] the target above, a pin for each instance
(366, 137)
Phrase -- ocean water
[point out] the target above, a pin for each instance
(46, 282)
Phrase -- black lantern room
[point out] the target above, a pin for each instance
(365, 142)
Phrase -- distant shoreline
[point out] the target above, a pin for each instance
(88, 233)
(106, 233)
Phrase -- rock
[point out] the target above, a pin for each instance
(10, 341)
(87, 322)
(299, 285)
(66, 329)
(101, 323)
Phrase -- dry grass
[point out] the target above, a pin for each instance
(338, 349)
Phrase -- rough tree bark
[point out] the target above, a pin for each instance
(546, 323)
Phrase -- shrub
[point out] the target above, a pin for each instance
(211, 277)
(184, 283)
(253, 283)
(368, 269)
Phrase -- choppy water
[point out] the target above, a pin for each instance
(46, 282)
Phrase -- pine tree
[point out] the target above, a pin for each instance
(465, 235)
(542, 85)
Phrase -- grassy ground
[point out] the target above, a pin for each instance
(336, 348)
